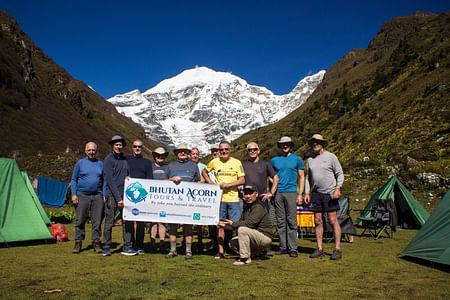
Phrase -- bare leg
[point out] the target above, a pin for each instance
(336, 229)
(319, 229)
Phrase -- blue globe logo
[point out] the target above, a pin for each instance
(135, 211)
(136, 193)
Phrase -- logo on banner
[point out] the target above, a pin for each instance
(162, 214)
(136, 193)
(196, 216)
(135, 211)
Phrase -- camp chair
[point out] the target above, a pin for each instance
(344, 219)
(379, 220)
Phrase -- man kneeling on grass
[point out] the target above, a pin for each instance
(254, 227)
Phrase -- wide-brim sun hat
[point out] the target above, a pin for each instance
(160, 151)
(285, 140)
(319, 139)
(214, 147)
(180, 147)
(117, 138)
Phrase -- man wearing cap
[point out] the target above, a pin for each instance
(115, 170)
(214, 150)
(86, 185)
(325, 177)
(140, 167)
(254, 227)
(258, 172)
(159, 173)
(183, 169)
(290, 170)
(229, 174)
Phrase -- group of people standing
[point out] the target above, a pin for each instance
(259, 197)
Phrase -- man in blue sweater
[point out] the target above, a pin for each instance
(86, 186)
(115, 170)
(140, 167)
(290, 171)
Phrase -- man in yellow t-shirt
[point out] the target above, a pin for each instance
(229, 174)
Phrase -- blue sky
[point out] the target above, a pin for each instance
(117, 46)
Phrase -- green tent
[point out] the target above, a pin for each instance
(408, 211)
(432, 242)
(22, 218)
(36, 198)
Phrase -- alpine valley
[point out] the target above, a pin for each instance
(201, 106)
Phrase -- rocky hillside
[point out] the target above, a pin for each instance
(43, 110)
(381, 104)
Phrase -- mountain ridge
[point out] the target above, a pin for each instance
(201, 106)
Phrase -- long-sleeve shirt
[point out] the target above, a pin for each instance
(87, 177)
(325, 173)
(254, 216)
(140, 167)
(115, 170)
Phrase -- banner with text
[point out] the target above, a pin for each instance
(166, 202)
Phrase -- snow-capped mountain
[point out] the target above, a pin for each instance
(201, 106)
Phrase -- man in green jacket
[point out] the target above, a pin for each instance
(254, 227)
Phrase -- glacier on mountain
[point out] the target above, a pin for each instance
(201, 106)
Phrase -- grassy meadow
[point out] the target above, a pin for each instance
(370, 269)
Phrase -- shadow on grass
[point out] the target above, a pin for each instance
(427, 263)
(26, 243)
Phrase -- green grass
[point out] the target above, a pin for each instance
(369, 269)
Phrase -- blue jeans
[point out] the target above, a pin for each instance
(230, 210)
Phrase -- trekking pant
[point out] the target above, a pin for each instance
(86, 203)
(252, 242)
(286, 212)
(110, 209)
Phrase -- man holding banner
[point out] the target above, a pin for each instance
(183, 169)
(229, 174)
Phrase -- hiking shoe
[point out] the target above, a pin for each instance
(293, 253)
(171, 254)
(281, 251)
(129, 252)
(219, 256)
(97, 247)
(140, 251)
(106, 251)
(317, 253)
(337, 254)
(188, 255)
(77, 247)
(242, 261)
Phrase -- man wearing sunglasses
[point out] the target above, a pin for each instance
(290, 170)
(259, 173)
(159, 173)
(140, 167)
(325, 177)
(229, 174)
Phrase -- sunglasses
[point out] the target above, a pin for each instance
(224, 150)
(214, 150)
(252, 149)
(137, 146)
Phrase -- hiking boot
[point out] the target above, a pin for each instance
(337, 254)
(242, 261)
(317, 253)
(77, 247)
(97, 247)
(106, 251)
(171, 254)
(219, 256)
(281, 251)
(188, 255)
(129, 252)
(140, 251)
(293, 253)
